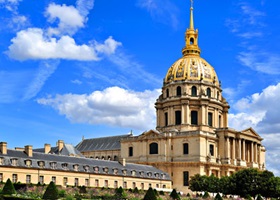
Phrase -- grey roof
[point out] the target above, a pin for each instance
(85, 165)
(102, 143)
(67, 150)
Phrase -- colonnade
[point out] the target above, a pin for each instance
(242, 150)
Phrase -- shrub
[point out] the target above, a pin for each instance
(51, 192)
(150, 195)
(174, 195)
(119, 191)
(62, 193)
(206, 195)
(218, 197)
(161, 192)
(8, 188)
(156, 192)
(259, 197)
(83, 189)
(135, 190)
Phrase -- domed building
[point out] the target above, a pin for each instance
(192, 134)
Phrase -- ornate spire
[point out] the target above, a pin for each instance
(191, 37)
(191, 17)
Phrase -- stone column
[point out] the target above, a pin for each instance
(233, 149)
(243, 150)
(256, 152)
(259, 154)
(188, 114)
(252, 152)
(203, 115)
(171, 116)
(239, 149)
(183, 114)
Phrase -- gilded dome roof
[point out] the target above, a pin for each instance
(192, 68)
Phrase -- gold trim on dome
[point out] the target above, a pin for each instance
(191, 68)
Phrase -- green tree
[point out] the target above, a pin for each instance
(150, 195)
(119, 191)
(51, 192)
(213, 184)
(8, 188)
(266, 186)
(227, 185)
(174, 195)
(218, 197)
(198, 183)
(247, 182)
(205, 195)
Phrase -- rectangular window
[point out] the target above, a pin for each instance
(211, 149)
(133, 185)
(157, 185)
(166, 119)
(106, 183)
(14, 178)
(76, 182)
(210, 119)
(28, 179)
(86, 182)
(41, 180)
(116, 184)
(178, 120)
(1, 177)
(186, 178)
(53, 179)
(65, 181)
(142, 186)
(150, 185)
(124, 185)
(186, 148)
(130, 151)
(194, 120)
(96, 183)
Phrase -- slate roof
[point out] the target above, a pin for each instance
(85, 165)
(102, 143)
(67, 150)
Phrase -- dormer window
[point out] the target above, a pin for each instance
(157, 175)
(115, 171)
(96, 169)
(53, 165)
(76, 167)
(133, 172)
(1, 161)
(64, 166)
(105, 170)
(41, 164)
(149, 174)
(14, 161)
(124, 172)
(141, 173)
(28, 163)
(86, 168)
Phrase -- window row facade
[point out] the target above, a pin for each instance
(193, 92)
(194, 118)
(86, 182)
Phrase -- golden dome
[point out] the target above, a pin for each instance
(191, 67)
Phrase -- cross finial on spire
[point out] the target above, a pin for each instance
(191, 16)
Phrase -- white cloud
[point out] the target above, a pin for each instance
(113, 106)
(70, 20)
(261, 112)
(163, 11)
(264, 62)
(84, 6)
(32, 44)
(44, 72)
(11, 5)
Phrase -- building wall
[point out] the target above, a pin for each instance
(91, 179)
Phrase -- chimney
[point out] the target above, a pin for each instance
(122, 162)
(3, 148)
(47, 148)
(60, 145)
(28, 150)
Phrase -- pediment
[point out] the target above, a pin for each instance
(150, 134)
(251, 132)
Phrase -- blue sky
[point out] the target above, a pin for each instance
(95, 68)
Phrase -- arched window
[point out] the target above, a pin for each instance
(167, 93)
(178, 120)
(153, 148)
(194, 119)
(194, 91)
(179, 91)
(218, 95)
(191, 41)
(208, 92)
(220, 121)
